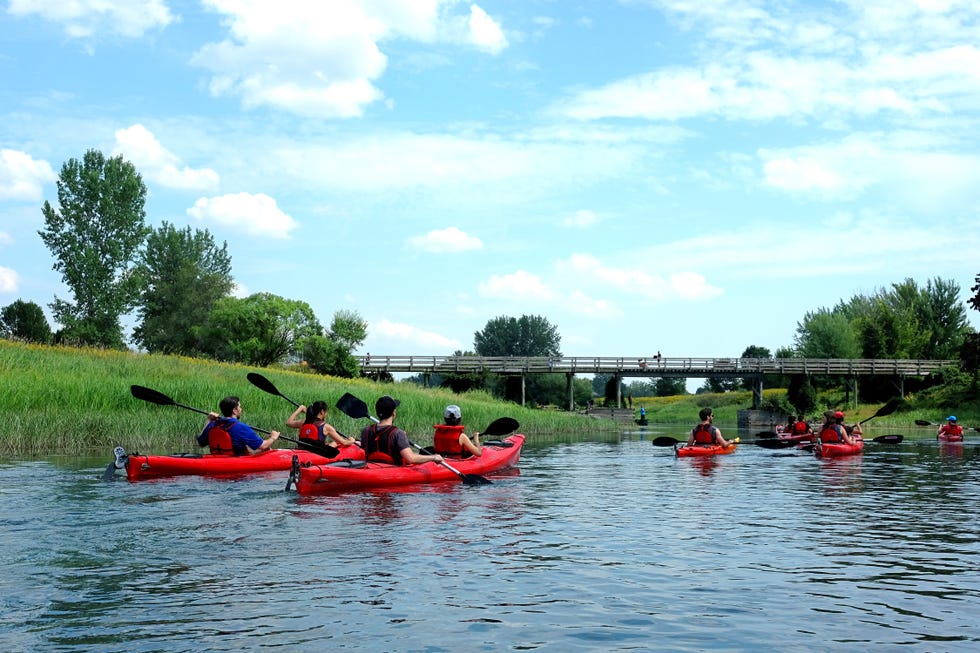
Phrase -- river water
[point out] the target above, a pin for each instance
(593, 546)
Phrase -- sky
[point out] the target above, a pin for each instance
(683, 176)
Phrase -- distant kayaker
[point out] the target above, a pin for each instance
(227, 435)
(856, 431)
(385, 442)
(706, 434)
(800, 427)
(832, 431)
(951, 427)
(314, 428)
(450, 438)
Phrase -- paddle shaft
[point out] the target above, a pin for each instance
(265, 384)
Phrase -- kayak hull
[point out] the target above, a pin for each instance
(804, 438)
(143, 467)
(316, 479)
(694, 451)
(946, 437)
(836, 450)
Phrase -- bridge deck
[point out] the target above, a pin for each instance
(651, 366)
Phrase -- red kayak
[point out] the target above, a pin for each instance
(699, 450)
(837, 450)
(949, 437)
(140, 467)
(801, 438)
(342, 476)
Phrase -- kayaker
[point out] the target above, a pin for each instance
(951, 427)
(385, 442)
(450, 438)
(832, 431)
(706, 434)
(855, 431)
(800, 427)
(314, 428)
(227, 435)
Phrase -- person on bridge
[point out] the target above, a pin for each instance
(706, 434)
(450, 438)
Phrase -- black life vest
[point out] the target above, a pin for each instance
(379, 444)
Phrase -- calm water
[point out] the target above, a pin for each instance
(592, 547)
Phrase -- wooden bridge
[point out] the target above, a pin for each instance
(621, 367)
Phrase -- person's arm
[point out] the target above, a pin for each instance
(857, 430)
(268, 442)
(690, 439)
(337, 437)
(720, 439)
(253, 442)
(203, 439)
(293, 421)
(473, 446)
(412, 458)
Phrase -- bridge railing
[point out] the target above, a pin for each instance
(650, 366)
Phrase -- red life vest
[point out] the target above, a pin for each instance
(446, 439)
(219, 439)
(800, 428)
(312, 433)
(378, 442)
(832, 434)
(952, 429)
(705, 434)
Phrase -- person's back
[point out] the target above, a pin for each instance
(450, 437)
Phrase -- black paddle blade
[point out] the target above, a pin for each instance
(774, 443)
(352, 406)
(665, 441)
(766, 434)
(152, 396)
(324, 450)
(501, 426)
(262, 383)
(889, 439)
(476, 479)
(922, 422)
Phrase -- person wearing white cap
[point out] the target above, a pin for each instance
(950, 428)
(450, 438)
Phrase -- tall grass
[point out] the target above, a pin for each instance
(65, 399)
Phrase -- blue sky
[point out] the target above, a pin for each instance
(688, 176)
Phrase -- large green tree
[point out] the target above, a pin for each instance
(95, 236)
(332, 352)
(260, 329)
(24, 321)
(528, 335)
(826, 333)
(183, 273)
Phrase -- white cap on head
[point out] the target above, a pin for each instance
(453, 411)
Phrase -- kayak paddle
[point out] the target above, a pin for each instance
(881, 439)
(667, 441)
(357, 409)
(265, 384)
(154, 397)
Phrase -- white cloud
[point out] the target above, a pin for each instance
(520, 285)
(323, 59)
(23, 177)
(9, 280)
(411, 337)
(586, 269)
(485, 32)
(6, 239)
(84, 18)
(446, 241)
(141, 147)
(581, 219)
(256, 215)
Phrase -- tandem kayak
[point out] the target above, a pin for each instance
(837, 450)
(711, 450)
(142, 467)
(342, 476)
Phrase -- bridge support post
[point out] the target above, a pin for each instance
(756, 393)
(523, 389)
(619, 391)
(571, 390)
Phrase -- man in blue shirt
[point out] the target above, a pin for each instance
(228, 435)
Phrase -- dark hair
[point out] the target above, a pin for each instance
(314, 410)
(451, 420)
(228, 405)
(705, 413)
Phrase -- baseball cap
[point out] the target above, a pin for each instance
(951, 418)
(453, 411)
(385, 406)
(838, 414)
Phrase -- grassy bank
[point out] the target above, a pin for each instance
(61, 399)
